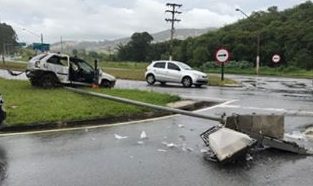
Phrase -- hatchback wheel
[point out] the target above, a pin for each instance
(150, 79)
(49, 81)
(106, 84)
(187, 82)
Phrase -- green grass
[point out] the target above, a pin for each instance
(215, 80)
(25, 104)
(122, 73)
(124, 65)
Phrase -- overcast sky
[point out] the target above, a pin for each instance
(112, 19)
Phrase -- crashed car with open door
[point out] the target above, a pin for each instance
(51, 69)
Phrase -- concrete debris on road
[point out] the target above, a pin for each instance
(226, 143)
(162, 150)
(169, 145)
(119, 137)
(181, 126)
(143, 135)
(140, 142)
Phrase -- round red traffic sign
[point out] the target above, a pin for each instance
(222, 55)
(276, 58)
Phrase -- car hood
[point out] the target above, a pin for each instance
(107, 76)
(196, 72)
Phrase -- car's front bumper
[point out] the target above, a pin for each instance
(201, 81)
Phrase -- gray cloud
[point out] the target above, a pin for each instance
(110, 19)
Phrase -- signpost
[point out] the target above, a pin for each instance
(222, 56)
(41, 46)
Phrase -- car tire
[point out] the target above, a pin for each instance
(150, 79)
(187, 81)
(34, 82)
(49, 81)
(106, 84)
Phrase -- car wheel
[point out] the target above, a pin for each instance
(150, 79)
(49, 81)
(34, 82)
(106, 84)
(187, 82)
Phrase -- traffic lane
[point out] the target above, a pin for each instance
(95, 157)
(207, 92)
(246, 99)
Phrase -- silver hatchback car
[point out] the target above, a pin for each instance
(174, 72)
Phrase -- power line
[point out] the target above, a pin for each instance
(172, 10)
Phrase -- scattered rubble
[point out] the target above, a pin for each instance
(162, 150)
(140, 142)
(181, 126)
(143, 135)
(119, 137)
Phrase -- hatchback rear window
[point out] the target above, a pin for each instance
(159, 65)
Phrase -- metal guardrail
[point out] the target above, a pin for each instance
(147, 105)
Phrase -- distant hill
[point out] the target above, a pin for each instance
(107, 45)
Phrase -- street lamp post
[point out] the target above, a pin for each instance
(35, 34)
(257, 65)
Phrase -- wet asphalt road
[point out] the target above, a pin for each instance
(96, 157)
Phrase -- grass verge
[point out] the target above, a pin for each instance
(27, 105)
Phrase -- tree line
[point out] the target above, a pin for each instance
(8, 38)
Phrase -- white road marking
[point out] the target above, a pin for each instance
(218, 105)
(86, 128)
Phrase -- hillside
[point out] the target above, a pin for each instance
(107, 45)
(288, 33)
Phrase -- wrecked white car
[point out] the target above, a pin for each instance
(52, 69)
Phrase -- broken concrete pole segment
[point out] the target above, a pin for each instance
(258, 125)
(226, 144)
(267, 129)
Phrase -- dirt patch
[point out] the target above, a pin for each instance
(100, 121)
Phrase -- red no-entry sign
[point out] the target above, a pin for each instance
(276, 58)
(222, 55)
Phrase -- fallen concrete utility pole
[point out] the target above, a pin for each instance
(228, 143)
(147, 105)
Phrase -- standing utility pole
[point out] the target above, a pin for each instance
(173, 11)
(257, 62)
